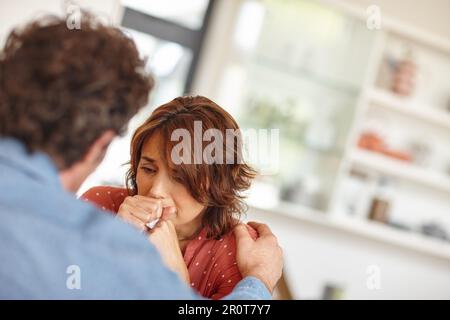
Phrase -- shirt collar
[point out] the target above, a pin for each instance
(37, 165)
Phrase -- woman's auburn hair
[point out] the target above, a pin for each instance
(217, 186)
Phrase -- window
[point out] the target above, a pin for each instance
(189, 14)
(169, 34)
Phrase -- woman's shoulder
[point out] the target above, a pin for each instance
(229, 239)
(106, 197)
(104, 191)
(224, 252)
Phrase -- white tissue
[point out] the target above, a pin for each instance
(152, 224)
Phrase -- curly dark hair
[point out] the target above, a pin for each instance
(60, 89)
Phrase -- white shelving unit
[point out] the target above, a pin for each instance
(409, 108)
(366, 229)
(370, 162)
(324, 235)
(399, 169)
(370, 96)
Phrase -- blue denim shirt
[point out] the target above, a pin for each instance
(53, 246)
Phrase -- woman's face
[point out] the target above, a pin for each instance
(153, 180)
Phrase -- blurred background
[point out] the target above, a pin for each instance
(360, 91)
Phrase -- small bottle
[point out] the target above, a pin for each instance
(379, 208)
(404, 77)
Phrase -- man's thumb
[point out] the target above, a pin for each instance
(241, 233)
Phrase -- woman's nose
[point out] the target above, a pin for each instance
(158, 189)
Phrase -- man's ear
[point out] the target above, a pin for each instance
(97, 151)
(73, 177)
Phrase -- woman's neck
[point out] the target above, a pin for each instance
(188, 232)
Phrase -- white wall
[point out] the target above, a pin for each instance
(429, 15)
(18, 12)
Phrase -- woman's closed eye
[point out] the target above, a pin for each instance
(148, 170)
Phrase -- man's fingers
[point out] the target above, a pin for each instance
(262, 229)
(241, 233)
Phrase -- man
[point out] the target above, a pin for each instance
(64, 95)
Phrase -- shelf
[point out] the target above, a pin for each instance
(410, 108)
(364, 228)
(304, 74)
(400, 169)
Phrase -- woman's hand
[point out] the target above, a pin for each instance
(164, 237)
(140, 210)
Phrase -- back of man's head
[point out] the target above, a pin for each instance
(60, 89)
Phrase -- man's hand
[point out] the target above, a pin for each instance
(261, 258)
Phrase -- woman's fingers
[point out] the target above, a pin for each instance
(129, 207)
(140, 214)
(171, 226)
(140, 211)
(137, 223)
(133, 215)
(165, 226)
(168, 212)
(144, 210)
(149, 205)
(161, 225)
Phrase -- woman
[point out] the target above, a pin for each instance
(181, 175)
